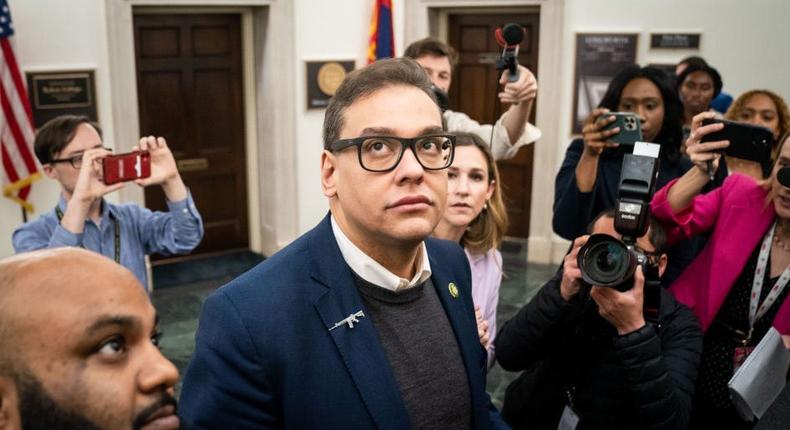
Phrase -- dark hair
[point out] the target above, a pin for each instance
(433, 47)
(366, 81)
(656, 234)
(53, 136)
(693, 60)
(713, 73)
(671, 134)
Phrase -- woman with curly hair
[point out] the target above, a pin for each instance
(758, 107)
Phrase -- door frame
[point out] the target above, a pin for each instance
(271, 167)
(506, 167)
(429, 17)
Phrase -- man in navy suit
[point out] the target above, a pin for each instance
(363, 322)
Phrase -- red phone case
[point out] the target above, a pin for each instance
(126, 167)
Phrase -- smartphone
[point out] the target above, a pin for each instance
(630, 127)
(749, 142)
(126, 167)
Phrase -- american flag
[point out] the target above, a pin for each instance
(381, 39)
(16, 120)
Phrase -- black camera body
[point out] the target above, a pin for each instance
(441, 98)
(607, 261)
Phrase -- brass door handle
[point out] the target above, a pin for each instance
(192, 164)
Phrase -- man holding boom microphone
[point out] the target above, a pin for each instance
(512, 130)
(603, 345)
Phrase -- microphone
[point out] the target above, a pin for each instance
(509, 37)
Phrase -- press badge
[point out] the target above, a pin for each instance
(569, 419)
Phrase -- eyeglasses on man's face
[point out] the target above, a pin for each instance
(383, 153)
(75, 161)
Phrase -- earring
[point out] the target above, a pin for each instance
(485, 206)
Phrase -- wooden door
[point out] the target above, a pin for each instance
(189, 83)
(474, 89)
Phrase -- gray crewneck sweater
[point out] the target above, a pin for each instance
(423, 353)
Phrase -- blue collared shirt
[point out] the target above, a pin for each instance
(142, 232)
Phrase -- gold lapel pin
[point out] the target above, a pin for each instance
(453, 290)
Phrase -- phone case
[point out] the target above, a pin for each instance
(748, 142)
(630, 128)
(126, 167)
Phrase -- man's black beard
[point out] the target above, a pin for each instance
(39, 411)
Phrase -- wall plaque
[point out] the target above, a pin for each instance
(59, 93)
(323, 78)
(599, 57)
(675, 40)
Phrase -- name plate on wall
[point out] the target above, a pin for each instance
(323, 79)
(675, 40)
(61, 93)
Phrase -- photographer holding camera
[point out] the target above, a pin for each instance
(70, 150)
(595, 353)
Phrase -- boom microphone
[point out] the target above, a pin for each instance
(513, 34)
(509, 37)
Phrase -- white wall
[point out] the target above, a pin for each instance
(50, 36)
(326, 30)
(744, 41)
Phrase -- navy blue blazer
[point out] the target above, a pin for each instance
(265, 358)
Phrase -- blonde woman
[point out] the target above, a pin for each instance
(476, 218)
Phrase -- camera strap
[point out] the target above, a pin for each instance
(651, 306)
(117, 236)
(757, 309)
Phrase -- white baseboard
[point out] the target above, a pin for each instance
(546, 250)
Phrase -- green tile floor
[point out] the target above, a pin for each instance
(179, 309)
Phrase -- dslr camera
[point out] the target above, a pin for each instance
(607, 261)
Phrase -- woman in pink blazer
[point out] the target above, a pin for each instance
(737, 286)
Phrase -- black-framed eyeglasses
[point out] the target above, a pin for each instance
(383, 153)
(75, 161)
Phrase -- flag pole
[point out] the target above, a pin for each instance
(24, 214)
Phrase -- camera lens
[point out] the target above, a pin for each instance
(605, 261)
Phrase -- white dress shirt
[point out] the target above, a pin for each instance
(373, 272)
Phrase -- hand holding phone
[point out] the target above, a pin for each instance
(705, 155)
(748, 142)
(126, 167)
(595, 138)
(630, 128)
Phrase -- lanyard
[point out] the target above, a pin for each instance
(757, 310)
(117, 227)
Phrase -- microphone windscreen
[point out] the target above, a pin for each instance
(783, 176)
(513, 34)
(498, 37)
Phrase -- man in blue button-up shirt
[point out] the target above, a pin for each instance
(70, 149)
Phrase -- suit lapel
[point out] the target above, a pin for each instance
(460, 313)
(360, 348)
